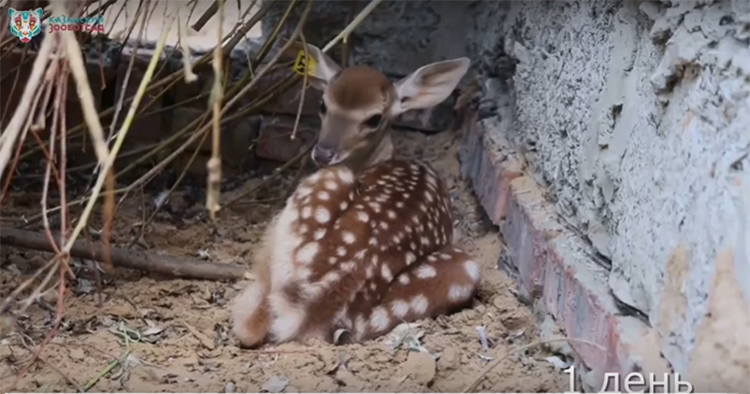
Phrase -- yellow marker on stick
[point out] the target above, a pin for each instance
(301, 66)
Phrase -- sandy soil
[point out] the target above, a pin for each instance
(177, 330)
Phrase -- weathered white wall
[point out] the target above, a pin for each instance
(638, 120)
(636, 116)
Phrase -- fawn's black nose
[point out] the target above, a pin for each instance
(322, 156)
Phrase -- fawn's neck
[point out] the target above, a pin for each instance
(380, 151)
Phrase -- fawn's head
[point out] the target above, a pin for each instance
(359, 103)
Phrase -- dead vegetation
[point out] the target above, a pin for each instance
(72, 318)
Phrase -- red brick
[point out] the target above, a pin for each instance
(274, 142)
(144, 128)
(489, 171)
(554, 267)
(183, 90)
(288, 103)
(236, 138)
(577, 295)
(527, 226)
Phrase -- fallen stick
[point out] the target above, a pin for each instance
(126, 258)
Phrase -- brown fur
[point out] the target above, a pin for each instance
(360, 87)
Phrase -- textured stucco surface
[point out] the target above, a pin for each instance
(636, 118)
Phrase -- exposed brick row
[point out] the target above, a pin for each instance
(552, 264)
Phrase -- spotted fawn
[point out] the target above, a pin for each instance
(366, 242)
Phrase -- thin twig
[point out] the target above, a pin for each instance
(471, 386)
(120, 137)
(109, 368)
(11, 132)
(213, 194)
(129, 258)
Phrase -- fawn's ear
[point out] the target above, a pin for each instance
(429, 85)
(324, 68)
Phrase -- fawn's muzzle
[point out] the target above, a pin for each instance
(322, 156)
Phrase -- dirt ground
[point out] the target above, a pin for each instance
(173, 335)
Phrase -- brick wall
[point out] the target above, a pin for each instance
(552, 267)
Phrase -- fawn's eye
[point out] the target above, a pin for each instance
(323, 107)
(373, 121)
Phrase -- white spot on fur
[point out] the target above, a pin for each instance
(360, 325)
(314, 178)
(323, 196)
(425, 272)
(341, 251)
(348, 237)
(306, 212)
(404, 279)
(391, 214)
(410, 257)
(445, 256)
(400, 309)
(303, 192)
(331, 277)
(289, 317)
(419, 304)
(379, 319)
(322, 215)
(472, 269)
(307, 253)
(319, 234)
(362, 216)
(459, 293)
(348, 266)
(386, 273)
(343, 205)
(375, 206)
(346, 176)
(331, 185)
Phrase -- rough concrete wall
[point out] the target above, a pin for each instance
(635, 116)
(397, 37)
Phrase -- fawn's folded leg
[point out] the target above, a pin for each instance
(439, 283)
(250, 315)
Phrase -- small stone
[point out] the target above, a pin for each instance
(352, 384)
(449, 360)
(5, 351)
(77, 354)
(192, 359)
(419, 367)
(276, 384)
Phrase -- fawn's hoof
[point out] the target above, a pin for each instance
(342, 337)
